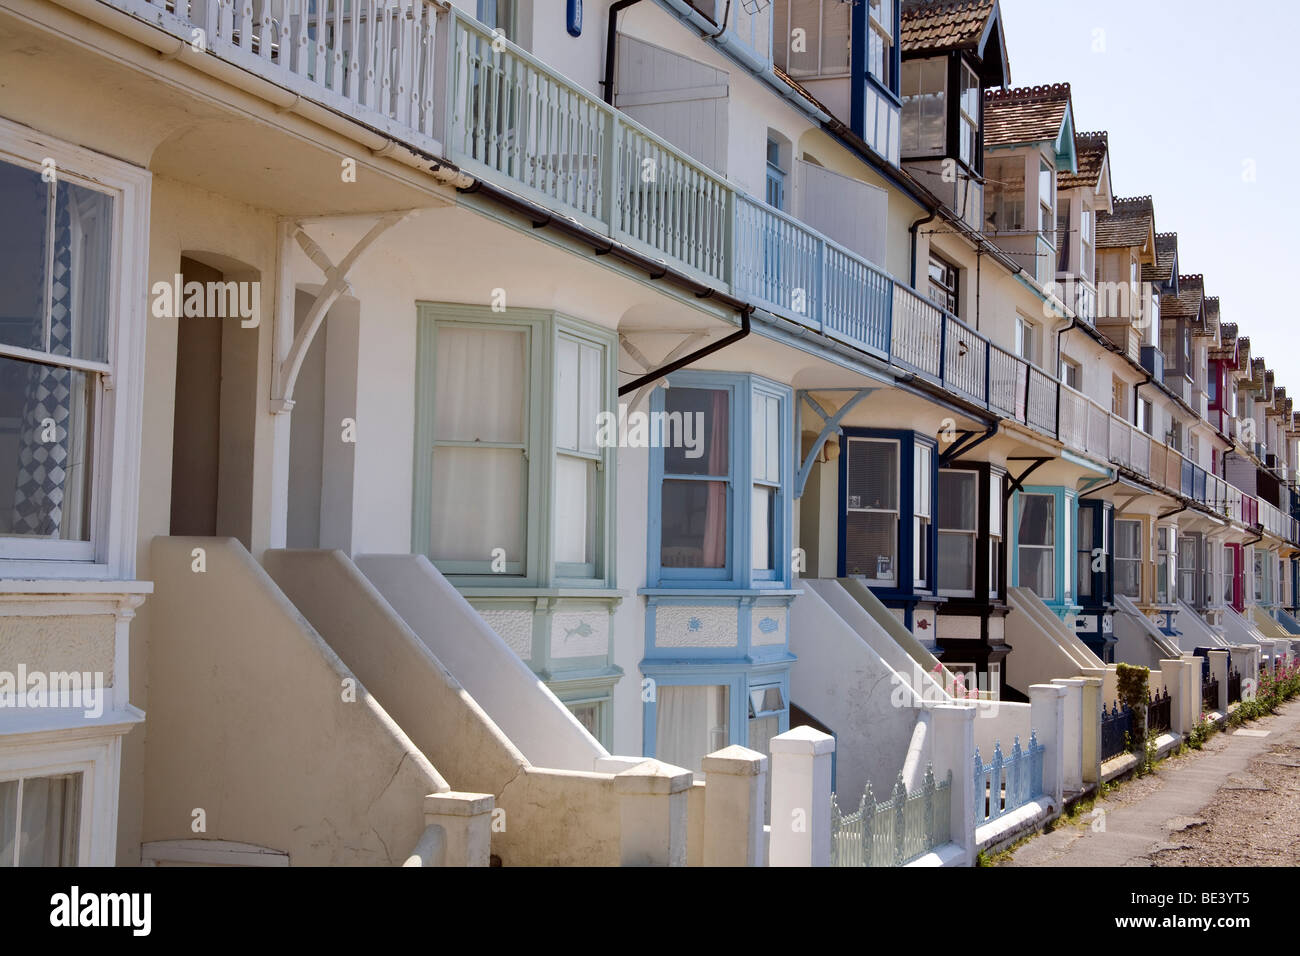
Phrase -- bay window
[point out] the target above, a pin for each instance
(494, 432)
(958, 531)
(1037, 544)
(1128, 558)
(872, 509)
(1187, 569)
(69, 289)
(721, 502)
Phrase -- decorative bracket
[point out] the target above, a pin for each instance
(336, 285)
(687, 344)
(1017, 482)
(830, 427)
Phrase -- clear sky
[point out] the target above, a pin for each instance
(1202, 103)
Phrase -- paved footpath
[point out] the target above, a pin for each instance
(1235, 803)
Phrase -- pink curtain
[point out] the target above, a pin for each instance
(715, 517)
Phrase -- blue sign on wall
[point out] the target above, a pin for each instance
(573, 18)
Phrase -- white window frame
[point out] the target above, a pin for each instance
(966, 121)
(884, 32)
(997, 520)
(117, 415)
(1049, 547)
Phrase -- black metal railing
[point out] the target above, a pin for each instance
(1160, 714)
(1210, 695)
(1116, 730)
(1234, 687)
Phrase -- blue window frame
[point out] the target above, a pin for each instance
(887, 509)
(721, 470)
(1043, 556)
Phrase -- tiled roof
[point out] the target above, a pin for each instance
(1091, 149)
(1031, 114)
(1162, 270)
(1129, 225)
(1187, 303)
(1211, 315)
(939, 25)
(1243, 354)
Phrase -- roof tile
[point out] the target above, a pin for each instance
(1030, 114)
(939, 25)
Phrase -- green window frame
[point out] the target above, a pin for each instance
(566, 379)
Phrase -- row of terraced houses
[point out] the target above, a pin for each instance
(654, 431)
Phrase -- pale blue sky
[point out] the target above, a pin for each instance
(1190, 90)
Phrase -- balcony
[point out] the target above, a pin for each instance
(1153, 360)
(430, 76)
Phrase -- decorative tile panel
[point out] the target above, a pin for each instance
(580, 633)
(959, 627)
(515, 627)
(696, 626)
(767, 626)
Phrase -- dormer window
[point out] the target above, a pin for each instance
(925, 130)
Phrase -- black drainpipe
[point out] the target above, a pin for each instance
(611, 45)
(913, 229)
(695, 356)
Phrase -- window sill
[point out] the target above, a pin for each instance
(720, 591)
(49, 585)
(596, 593)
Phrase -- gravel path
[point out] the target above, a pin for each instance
(1235, 803)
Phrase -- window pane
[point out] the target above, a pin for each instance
(1038, 572)
(761, 732)
(921, 466)
(995, 505)
(1038, 519)
(589, 716)
(766, 452)
(871, 544)
(25, 200)
(45, 450)
(575, 497)
(567, 412)
(873, 474)
(764, 525)
(805, 57)
(478, 504)
(694, 515)
(8, 820)
(51, 821)
(590, 389)
(481, 381)
(695, 431)
(956, 562)
(958, 501)
(690, 724)
(79, 307)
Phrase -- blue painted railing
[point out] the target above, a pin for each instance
(1009, 782)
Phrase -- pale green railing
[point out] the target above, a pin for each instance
(896, 831)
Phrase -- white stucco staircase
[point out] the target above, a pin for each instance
(554, 816)
(1043, 649)
(917, 651)
(842, 680)
(1238, 629)
(1139, 641)
(1195, 632)
(255, 720)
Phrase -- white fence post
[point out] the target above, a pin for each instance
(1181, 717)
(953, 751)
(1047, 718)
(466, 823)
(735, 794)
(652, 812)
(1219, 672)
(801, 798)
(1091, 708)
(1072, 742)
